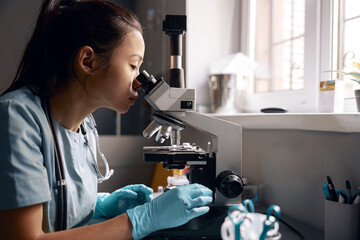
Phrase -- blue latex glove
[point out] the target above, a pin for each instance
(116, 203)
(171, 209)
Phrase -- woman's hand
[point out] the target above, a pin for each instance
(171, 209)
(121, 200)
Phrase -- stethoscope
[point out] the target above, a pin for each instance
(61, 213)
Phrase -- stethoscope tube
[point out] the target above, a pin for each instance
(61, 213)
(108, 172)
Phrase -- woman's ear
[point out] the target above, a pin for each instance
(85, 60)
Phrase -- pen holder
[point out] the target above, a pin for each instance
(342, 221)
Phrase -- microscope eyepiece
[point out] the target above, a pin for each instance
(147, 81)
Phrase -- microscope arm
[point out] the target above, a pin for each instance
(227, 143)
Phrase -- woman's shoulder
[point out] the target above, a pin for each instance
(21, 104)
(22, 95)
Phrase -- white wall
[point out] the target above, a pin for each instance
(293, 166)
(213, 32)
(293, 161)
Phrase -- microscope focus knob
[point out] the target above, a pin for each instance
(229, 184)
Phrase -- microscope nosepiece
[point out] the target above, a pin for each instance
(163, 133)
(153, 127)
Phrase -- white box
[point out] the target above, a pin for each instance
(331, 96)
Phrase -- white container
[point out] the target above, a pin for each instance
(342, 221)
(223, 91)
(331, 96)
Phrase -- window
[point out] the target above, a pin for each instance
(348, 47)
(280, 40)
(294, 43)
(283, 37)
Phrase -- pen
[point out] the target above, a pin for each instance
(348, 187)
(356, 200)
(342, 196)
(326, 191)
(332, 190)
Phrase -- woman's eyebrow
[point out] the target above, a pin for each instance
(137, 55)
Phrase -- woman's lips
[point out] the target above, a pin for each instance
(133, 99)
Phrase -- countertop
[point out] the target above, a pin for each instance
(334, 122)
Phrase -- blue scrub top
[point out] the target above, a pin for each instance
(27, 167)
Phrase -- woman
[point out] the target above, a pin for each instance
(81, 56)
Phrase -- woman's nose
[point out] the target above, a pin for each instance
(136, 85)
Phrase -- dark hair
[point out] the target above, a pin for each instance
(62, 28)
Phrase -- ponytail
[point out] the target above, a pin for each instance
(62, 28)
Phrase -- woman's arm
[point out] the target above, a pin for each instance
(26, 223)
